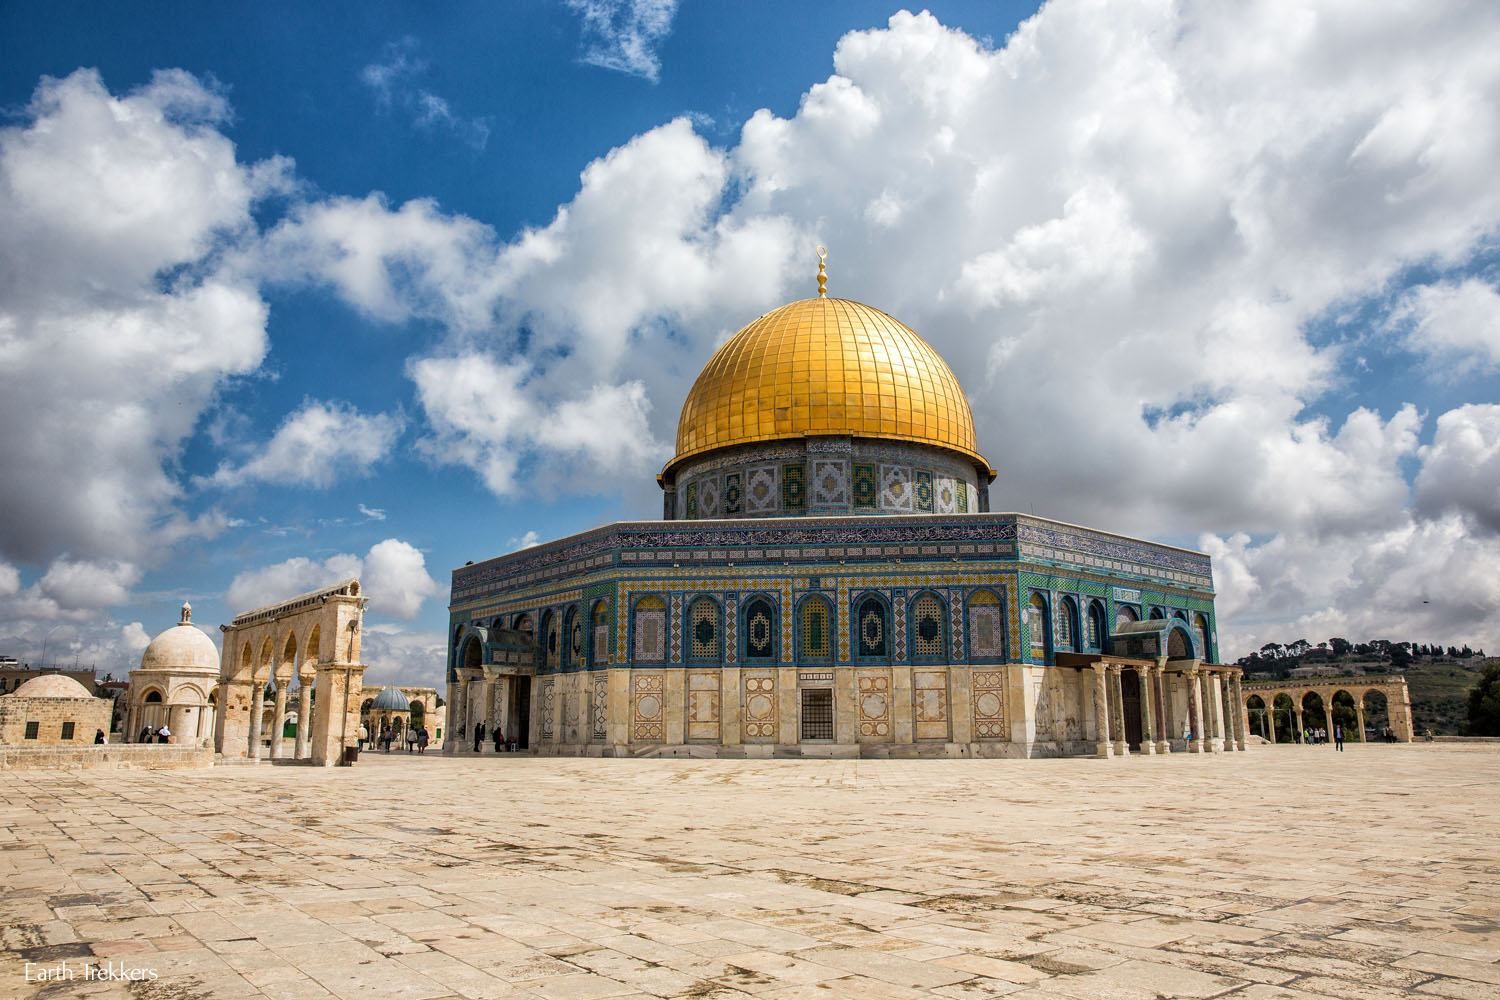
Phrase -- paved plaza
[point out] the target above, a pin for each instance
(1289, 872)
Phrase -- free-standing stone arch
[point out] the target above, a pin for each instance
(1289, 701)
(331, 618)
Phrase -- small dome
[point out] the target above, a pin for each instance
(390, 699)
(183, 648)
(51, 686)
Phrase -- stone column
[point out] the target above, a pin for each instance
(1117, 713)
(1163, 713)
(1148, 717)
(1359, 718)
(304, 720)
(1195, 711)
(1101, 712)
(278, 720)
(336, 718)
(1241, 713)
(1297, 722)
(257, 709)
(487, 709)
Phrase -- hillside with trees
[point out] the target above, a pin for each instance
(1440, 678)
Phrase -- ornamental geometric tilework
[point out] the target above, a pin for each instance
(759, 722)
(549, 705)
(924, 491)
(731, 623)
(732, 493)
(692, 500)
(900, 630)
(930, 691)
(1091, 627)
(815, 644)
(961, 497)
(760, 630)
(873, 640)
(650, 630)
(842, 609)
(760, 489)
(895, 488)
(927, 628)
(956, 620)
(793, 488)
(703, 629)
(674, 629)
(786, 622)
(1062, 628)
(864, 486)
(986, 626)
(874, 705)
(648, 708)
(703, 703)
(830, 483)
(989, 705)
(708, 497)
(946, 500)
(575, 641)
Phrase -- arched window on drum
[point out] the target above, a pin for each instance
(599, 651)
(1205, 635)
(1063, 629)
(929, 630)
(650, 627)
(815, 631)
(703, 630)
(872, 630)
(986, 626)
(1093, 627)
(758, 632)
(1036, 626)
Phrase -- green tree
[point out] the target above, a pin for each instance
(1484, 703)
(1340, 646)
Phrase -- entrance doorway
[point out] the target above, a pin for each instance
(817, 714)
(521, 686)
(1130, 704)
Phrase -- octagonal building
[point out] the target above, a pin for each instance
(827, 579)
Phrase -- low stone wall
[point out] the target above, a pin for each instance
(147, 756)
(1463, 739)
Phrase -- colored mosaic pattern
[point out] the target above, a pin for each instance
(865, 489)
(1036, 615)
(650, 630)
(708, 498)
(761, 490)
(842, 606)
(895, 488)
(946, 501)
(786, 622)
(927, 628)
(674, 629)
(899, 632)
(923, 491)
(793, 488)
(691, 507)
(548, 710)
(647, 708)
(733, 493)
(830, 486)
(760, 630)
(815, 633)
(731, 626)
(956, 625)
(759, 713)
(599, 709)
(961, 496)
(601, 633)
(874, 705)
(1062, 625)
(703, 629)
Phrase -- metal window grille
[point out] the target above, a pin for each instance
(703, 626)
(927, 627)
(815, 630)
(817, 713)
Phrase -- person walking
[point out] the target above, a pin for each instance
(1338, 737)
(411, 740)
(385, 737)
(145, 735)
(164, 734)
(422, 740)
(478, 736)
(364, 734)
(499, 737)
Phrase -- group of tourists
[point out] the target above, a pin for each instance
(416, 738)
(149, 735)
(497, 734)
(1317, 734)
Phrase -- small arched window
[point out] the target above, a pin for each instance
(815, 632)
(574, 633)
(1062, 629)
(550, 644)
(1036, 624)
(1093, 628)
(1157, 614)
(928, 630)
(703, 629)
(1179, 646)
(600, 651)
(986, 626)
(872, 627)
(1200, 624)
(760, 630)
(650, 630)
(1125, 614)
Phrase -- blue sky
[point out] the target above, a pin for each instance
(299, 290)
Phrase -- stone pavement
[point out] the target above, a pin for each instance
(1289, 872)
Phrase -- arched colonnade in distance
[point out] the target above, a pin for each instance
(1281, 711)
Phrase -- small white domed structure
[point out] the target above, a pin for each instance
(175, 686)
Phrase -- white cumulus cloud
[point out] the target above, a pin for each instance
(318, 444)
(393, 575)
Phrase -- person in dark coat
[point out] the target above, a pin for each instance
(98, 737)
(478, 736)
(499, 739)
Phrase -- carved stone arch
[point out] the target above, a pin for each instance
(927, 628)
(871, 625)
(987, 639)
(759, 628)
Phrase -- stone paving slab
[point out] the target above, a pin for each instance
(1284, 873)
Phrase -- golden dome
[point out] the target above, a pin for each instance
(826, 366)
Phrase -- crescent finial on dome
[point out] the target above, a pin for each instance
(822, 272)
(187, 614)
